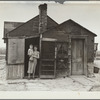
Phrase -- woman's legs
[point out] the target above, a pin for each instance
(34, 72)
(30, 68)
(29, 75)
(34, 68)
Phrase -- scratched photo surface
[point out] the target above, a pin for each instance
(49, 46)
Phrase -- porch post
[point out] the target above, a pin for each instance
(40, 43)
(85, 57)
(69, 55)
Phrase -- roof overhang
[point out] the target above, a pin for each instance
(25, 37)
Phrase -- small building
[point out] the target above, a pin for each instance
(65, 49)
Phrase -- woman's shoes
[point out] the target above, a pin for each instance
(28, 77)
(33, 77)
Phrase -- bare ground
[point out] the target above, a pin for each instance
(73, 83)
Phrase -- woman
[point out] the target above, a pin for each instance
(33, 56)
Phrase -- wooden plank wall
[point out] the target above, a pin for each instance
(15, 71)
(16, 51)
(75, 29)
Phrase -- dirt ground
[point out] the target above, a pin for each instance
(72, 83)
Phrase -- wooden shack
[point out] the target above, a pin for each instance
(65, 49)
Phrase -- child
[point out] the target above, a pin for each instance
(31, 61)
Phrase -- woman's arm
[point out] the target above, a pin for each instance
(36, 55)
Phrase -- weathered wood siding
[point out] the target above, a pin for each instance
(90, 47)
(15, 71)
(9, 26)
(16, 51)
(75, 29)
(31, 27)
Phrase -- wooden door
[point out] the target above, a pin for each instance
(16, 51)
(47, 66)
(77, 57)
(15, 61)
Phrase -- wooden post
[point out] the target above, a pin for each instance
(42, 26)
(55, 58)
(69, 55)
(40, 43)
(6, 51)
(85, 57)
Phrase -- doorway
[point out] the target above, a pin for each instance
(77, 56)
(28, 41)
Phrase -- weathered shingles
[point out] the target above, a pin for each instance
(69, 27)
(31, 27)
(9, 26)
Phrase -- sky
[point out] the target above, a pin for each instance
(86, 14)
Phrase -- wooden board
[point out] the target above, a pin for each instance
(47, 66)
(16, 51)
(77, 57)
(47, 76)
(15, 71)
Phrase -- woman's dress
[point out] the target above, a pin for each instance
(34, 55)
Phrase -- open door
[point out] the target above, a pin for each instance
(28, 41)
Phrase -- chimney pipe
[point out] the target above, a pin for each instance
(42, 18)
